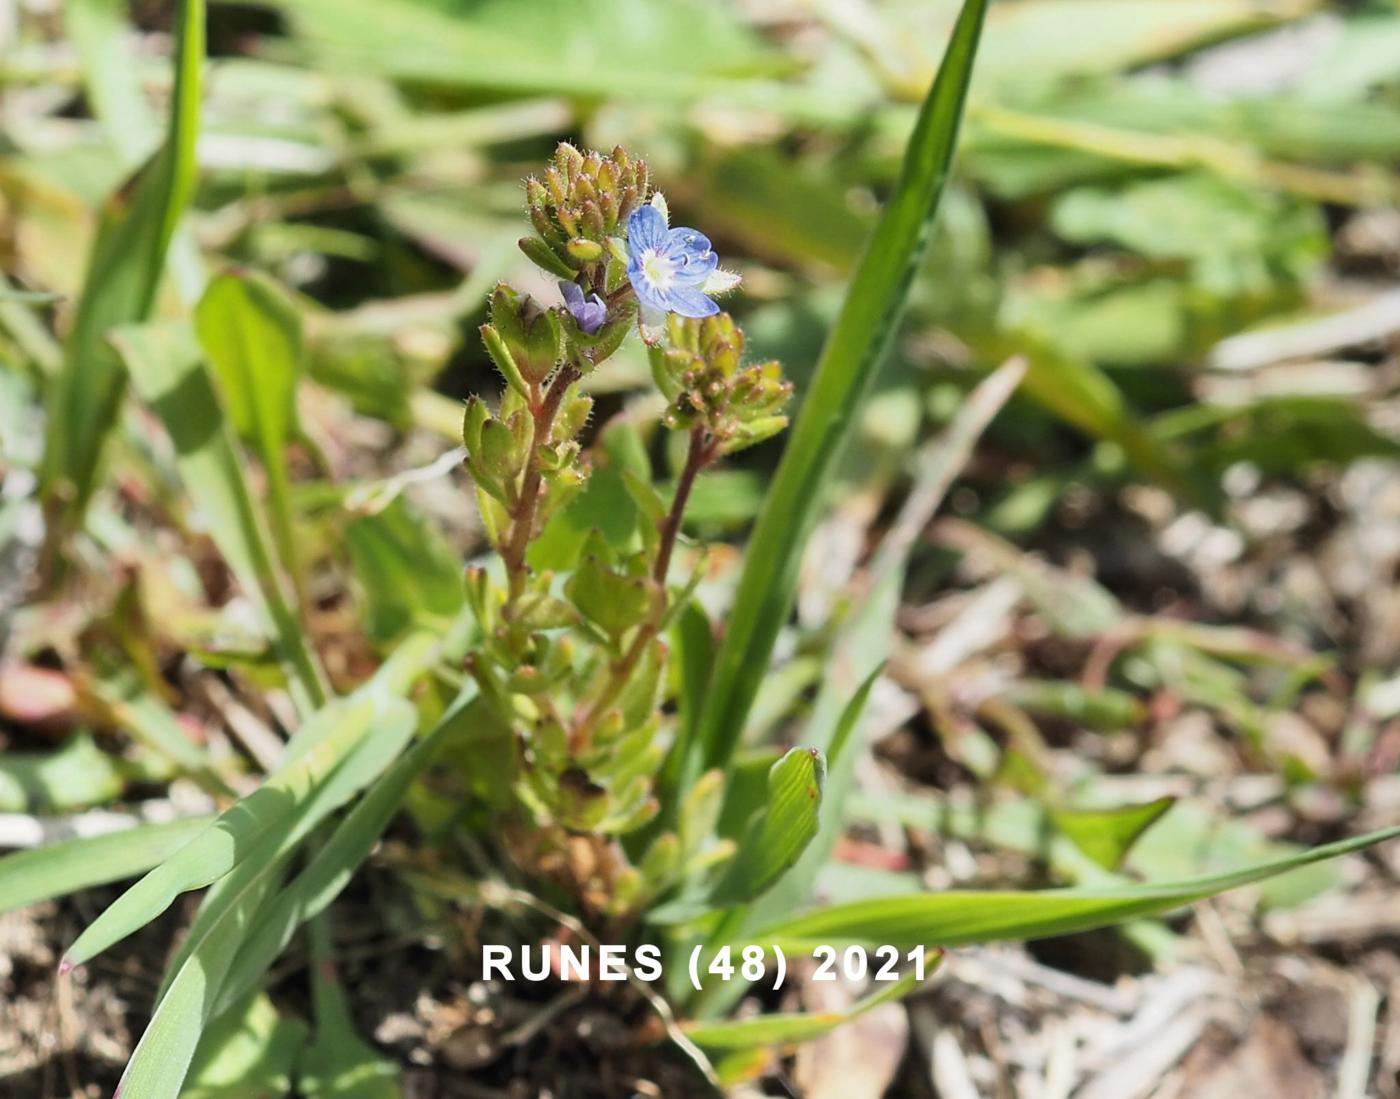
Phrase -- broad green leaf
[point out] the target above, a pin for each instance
(57, 869)
(789, 1029)
(251, 337)
(1106, 835)
(165, 369)
(250, 1050)
(1238, 239)
(676, 51)
(957, 918)
(77, 775)
(830, 410)
(123, 276)
(408, 575)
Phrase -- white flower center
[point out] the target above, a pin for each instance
(659, 270)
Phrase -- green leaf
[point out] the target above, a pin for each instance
(252, 340)
(124, 273)
(248, 1051)
(778, 834)
(162, 1057)
(831, 408)
(77, 775)
(676, 51)
(779, 1029)
(165, 369)
(408, 575)
(957, 918)
(1106, 835)
(57, 869)
(158, 1066)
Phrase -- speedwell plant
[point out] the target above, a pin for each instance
(585, 710)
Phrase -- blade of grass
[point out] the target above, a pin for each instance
(958, 918)
(305, 788)
(333, 865)
(123, 276)
(757, 1031)
(165, 369)
(844, 374)
(55, 870)
(864, 641)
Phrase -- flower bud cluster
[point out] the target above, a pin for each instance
(699, 370)
(579, 204)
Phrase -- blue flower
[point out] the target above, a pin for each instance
(669, 268)
(590, 312)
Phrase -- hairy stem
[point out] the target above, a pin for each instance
(702, 453)
(523, 515)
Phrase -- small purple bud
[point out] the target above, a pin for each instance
(589, 312)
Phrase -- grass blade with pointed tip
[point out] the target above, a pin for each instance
(853, 352)
(167, 374)
(314, 754)
(957, 918)
(128, 260)
(236, 832)
(162, 1057)
(863, 642)
(766, 1030)
(57, 869)
(333, 865)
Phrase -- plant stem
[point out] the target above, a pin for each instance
(523, 516)
(702, 453)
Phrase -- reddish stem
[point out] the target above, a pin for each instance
(702, 452)
(523, 515)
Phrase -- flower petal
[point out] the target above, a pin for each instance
(690, 303)
(573, 294)
(695, 270)
(646, 228)
(646, 290)
(683, 241)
